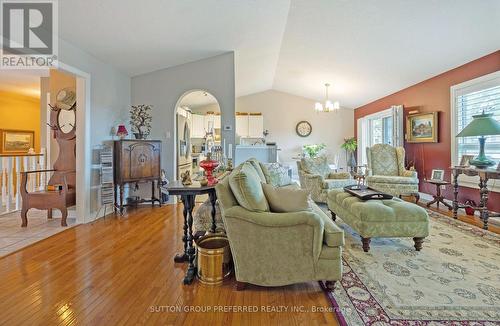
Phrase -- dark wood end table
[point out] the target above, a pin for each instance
(438, 197)
(188, 195)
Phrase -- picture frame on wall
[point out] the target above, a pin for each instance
(422, 128)
(437, 175)
(465, 160)
(16, 141)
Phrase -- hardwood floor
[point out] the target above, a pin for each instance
(120, 271)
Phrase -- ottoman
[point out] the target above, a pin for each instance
(391, 218)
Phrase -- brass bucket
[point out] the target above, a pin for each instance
(213, 258)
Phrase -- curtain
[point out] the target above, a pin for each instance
(397, 123)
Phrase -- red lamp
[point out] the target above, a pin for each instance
(209, 165)
(122, 131)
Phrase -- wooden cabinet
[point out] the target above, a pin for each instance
(136, 161)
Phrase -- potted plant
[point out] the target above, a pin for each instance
(350, 145)
(140, 120)
(313, 150)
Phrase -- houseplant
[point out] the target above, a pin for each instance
(313, 150)
(350, 145)
(140, 120)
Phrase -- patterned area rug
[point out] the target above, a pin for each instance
(454, 280)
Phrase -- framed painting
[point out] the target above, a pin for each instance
(16, 141)
(422, 128)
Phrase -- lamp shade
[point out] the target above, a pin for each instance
(122, 131)
(481, 125)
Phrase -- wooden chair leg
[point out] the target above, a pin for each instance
(366, 244)
(49, 213)
(240, 286)
(418, 243)
(330, 285)
(24, 217)
(64, 212)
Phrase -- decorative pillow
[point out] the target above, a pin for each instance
(286, 200)
(276, 174)
(258, 168)
(245, 184)
(317, 165)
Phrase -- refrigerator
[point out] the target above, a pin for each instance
(184, 159)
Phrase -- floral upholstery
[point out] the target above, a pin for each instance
(315, 175)
(276, 174)
(386, 170)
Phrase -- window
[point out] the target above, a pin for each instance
(381, 130)
(384, 127)
(469, 99)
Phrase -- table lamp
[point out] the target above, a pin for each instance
(481, 125)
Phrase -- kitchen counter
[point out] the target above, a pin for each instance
(263, 153)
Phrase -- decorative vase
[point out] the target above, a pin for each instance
(351, 160)
(209, 165)
(139, 135)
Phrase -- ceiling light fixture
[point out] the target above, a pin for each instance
(328, 106)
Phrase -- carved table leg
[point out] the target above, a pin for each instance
(49, 213)
(213, 199)
(180, 258)
(455, 194)
(64, 212)
(484, 202)
(366, 244)
(334, 216)
(418, 243)
(191, 252)
(121, 199)
(24, 217)
(153, 193)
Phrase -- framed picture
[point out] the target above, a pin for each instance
(465, 160)
(437, 175)
(422, 128)
(16, 141)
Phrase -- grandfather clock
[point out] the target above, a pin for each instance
(137, 161)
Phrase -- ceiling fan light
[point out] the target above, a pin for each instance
(318, 107)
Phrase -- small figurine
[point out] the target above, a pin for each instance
(186, 178)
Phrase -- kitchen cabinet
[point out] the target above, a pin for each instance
(242, 125)
(198, 126)
(249, 126)
(255, 126)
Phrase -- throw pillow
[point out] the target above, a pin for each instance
(276, 174)
(286, 200)
(256, 165)
(245, 184)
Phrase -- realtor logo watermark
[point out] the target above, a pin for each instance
(29, 34)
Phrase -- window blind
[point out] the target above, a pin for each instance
(472, 103)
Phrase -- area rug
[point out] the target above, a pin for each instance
(454, 280)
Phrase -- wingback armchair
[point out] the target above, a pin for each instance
(275, 249)
(316, 176)
(387, 172)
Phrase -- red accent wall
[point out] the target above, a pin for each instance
(434, 95)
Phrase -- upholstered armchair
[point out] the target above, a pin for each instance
(387, 173)
(275, 249)
(317, 177)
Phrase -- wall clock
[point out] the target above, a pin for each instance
(303, 128)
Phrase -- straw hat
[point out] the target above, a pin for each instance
(66, 99)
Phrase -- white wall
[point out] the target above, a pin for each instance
(109, 103)
(282, 112)
(163, 88)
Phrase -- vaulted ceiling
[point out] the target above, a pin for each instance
(365, 48)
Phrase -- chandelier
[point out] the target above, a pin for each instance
(328, 106)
